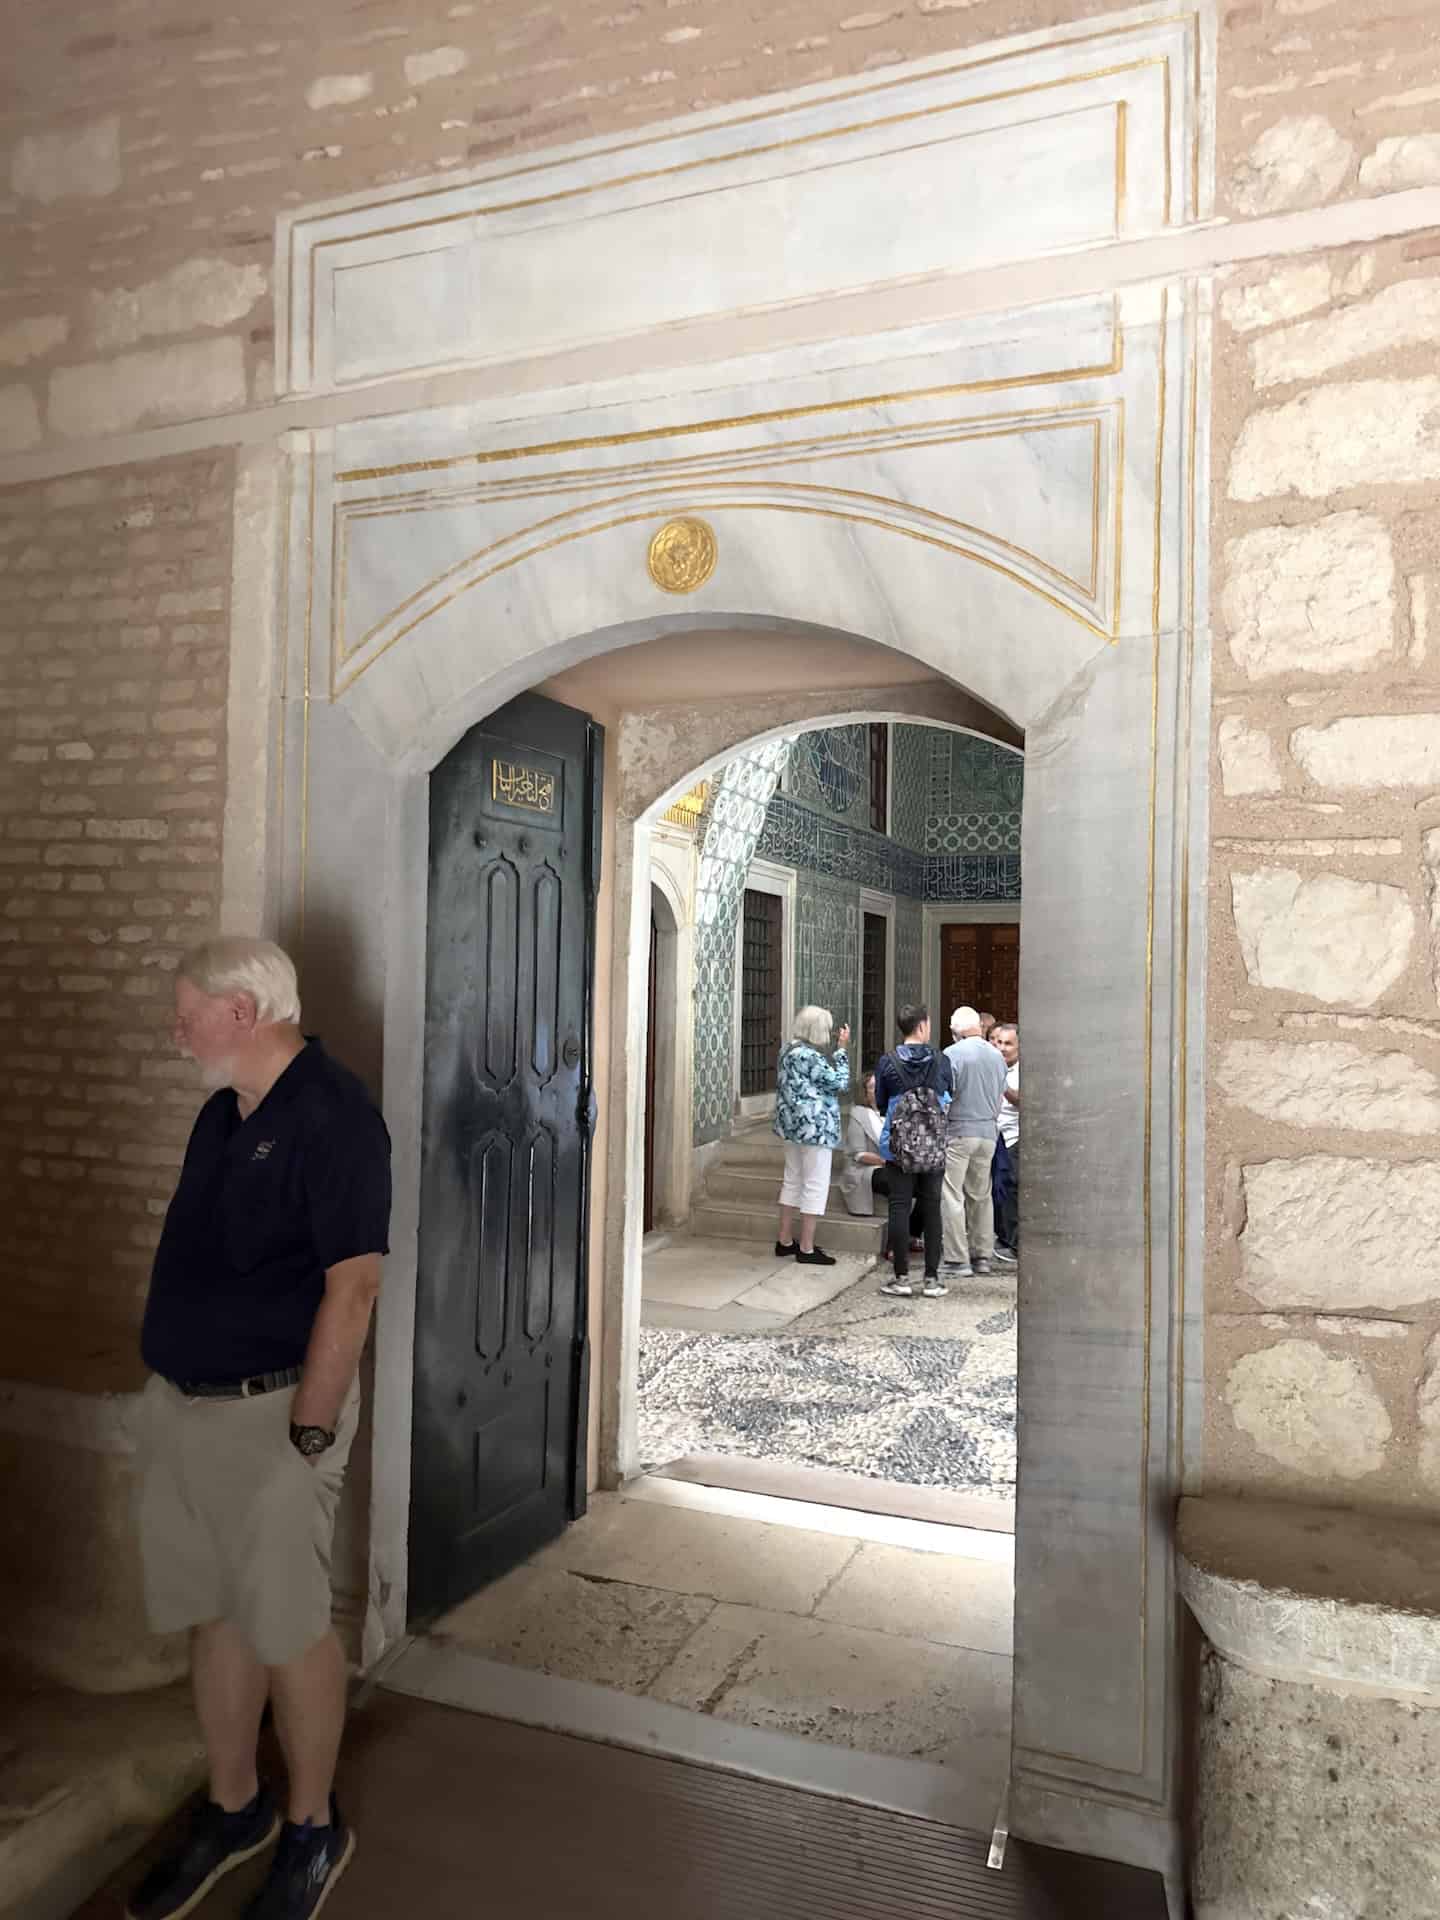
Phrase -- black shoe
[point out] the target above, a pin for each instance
(817, 1257)
(216, 1842)
(782, 1252)
(308, 1862)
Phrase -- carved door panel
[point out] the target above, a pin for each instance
(980, 968)
(500, 1325)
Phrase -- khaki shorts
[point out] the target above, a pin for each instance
(234, 1523)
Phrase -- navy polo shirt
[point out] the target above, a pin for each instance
(263, 1207)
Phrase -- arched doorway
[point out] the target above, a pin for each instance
(1003, 500)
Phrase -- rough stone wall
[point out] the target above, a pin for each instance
(113, 646)
(1324, 1283)
(139, 226)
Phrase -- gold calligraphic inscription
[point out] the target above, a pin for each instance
(682, 555)
(517, 786)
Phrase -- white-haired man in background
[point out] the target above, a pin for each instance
(966, 1206)
(259, 1304)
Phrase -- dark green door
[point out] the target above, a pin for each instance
(500, 1321)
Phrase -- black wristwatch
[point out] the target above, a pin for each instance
(310, 1440)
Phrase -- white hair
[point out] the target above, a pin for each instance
(236, 963)
(813, 1027)
(962, 1018)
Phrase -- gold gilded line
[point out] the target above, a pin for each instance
(305, 713)
(770, 488)
(1119, 507)
(767, 148)
(661, 490)
(1182, 1200)
(830, 446)
(721, 506)
(960, 69)
(1122, 135)
(288, 522)
(721, 424)
(1149, 1123)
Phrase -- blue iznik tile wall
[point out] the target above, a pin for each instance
(733, 820)
(955, 806)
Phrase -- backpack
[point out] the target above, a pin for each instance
(917, 1131)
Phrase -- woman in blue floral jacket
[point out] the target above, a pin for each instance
(807, 1119)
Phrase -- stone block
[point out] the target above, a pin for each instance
(1404, 315)
(1315, 1593)
(1330, 1084)
(438, 64)
(1335, 939)
(1403, 161)
(30, 339)
(1316, 599)
(203, 292)
(1284, 295)
(1316, 1413)
(1430, 865)
(339, 90)
(1371, 750)
(1298, 162)
(70, 162)
(1312, 1804)
(184, 382)
(1248, 760)
(1427, 1408)
(19, 418)
(1332, 1232)
(1360, 433)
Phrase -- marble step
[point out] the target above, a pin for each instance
(756, 1186)
(725, 1220)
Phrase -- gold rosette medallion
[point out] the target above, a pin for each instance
(682, 555)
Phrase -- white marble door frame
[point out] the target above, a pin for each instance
(1010, 500)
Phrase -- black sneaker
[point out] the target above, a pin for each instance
(216, 1842)
(308, 1862)
(782, 1252)
(817, 1257)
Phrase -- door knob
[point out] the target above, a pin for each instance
(572, 1051)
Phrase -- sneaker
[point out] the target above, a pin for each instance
(817, 1257)
(980, 1266)
(1003, 1257)
(899, 1289)
(216, 1842)
(782, 1252)
(934, 1287)
(308, 1862)
(961, 1269)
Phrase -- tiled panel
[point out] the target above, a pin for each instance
(734, 819)
(910, 784)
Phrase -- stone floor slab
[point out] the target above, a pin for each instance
(794, 1289)
(941, 1597)
(745, 1561)
(875, 1692)
(707, 1273)
(562, 1623)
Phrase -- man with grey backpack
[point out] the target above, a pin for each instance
(912, 1090)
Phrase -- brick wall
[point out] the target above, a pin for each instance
(140, 222)
(113, 645)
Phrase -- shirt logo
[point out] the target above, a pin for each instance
(262, 1152)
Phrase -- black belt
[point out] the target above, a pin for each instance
(237, 1389)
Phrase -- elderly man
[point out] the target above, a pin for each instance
(968, 1210)
(1006, 1040)
(260, 1300)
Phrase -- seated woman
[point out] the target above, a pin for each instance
(865, 1178)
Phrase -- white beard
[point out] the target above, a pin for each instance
(217, 1075)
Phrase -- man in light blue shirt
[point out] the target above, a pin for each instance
(967, 1208)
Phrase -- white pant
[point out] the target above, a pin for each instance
(807, 1178)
